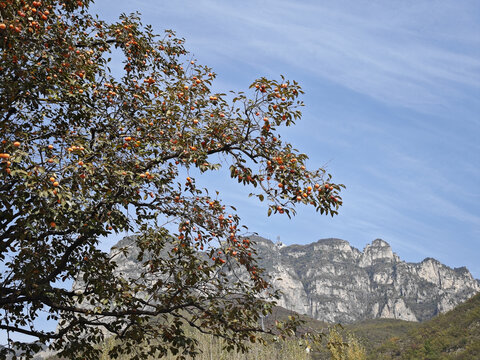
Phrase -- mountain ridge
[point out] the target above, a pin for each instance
(377, 240)
(332, 281)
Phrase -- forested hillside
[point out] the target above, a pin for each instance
(454, 335)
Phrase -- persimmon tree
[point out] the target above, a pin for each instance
(86, 153)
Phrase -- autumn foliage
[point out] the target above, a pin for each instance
(87, 152)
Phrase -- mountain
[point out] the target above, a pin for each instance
(330, 280)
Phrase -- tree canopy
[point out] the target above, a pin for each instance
(87, 152)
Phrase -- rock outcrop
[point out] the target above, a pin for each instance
(332, 281)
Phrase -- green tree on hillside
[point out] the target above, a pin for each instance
(85, 154)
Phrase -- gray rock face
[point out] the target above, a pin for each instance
(332, 281)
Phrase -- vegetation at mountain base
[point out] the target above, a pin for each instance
(457, 331)
(373, 333)
(343, 346)
(337, 344)
(453, 335)
(212, 347)
(86, 153)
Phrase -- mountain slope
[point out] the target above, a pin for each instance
(375, 332)
(454, 335)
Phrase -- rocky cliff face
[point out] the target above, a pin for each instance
(332, 281)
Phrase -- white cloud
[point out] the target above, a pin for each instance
(417, 54)
(397, 54)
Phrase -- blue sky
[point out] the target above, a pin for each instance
(392, 110)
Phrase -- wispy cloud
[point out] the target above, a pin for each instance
(414, 54)
(395, 54)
